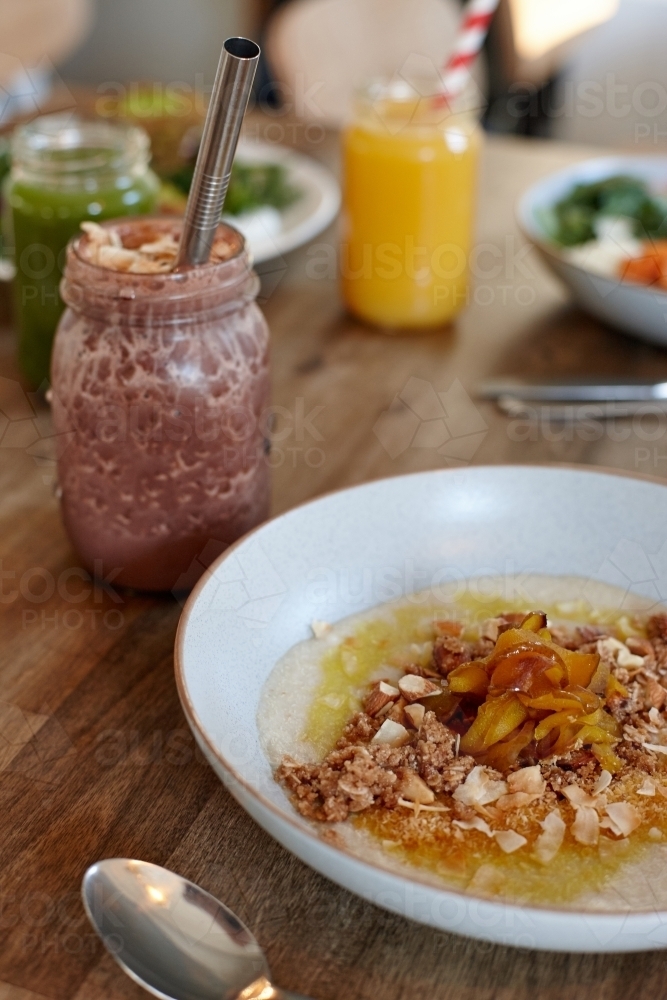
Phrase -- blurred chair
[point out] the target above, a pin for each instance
(538, 36)
(613, 91)
(34, 35)
(320, 51)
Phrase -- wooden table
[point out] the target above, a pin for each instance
(95, 756)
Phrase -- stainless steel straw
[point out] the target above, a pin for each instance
(231, 90)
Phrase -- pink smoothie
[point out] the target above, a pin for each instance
(162, 382)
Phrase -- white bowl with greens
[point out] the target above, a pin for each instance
(278, 198)
(590, 218)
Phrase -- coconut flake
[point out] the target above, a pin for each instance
(609, 648)
(509, 841)
(516, 800)
(655, 717)
(476, 823)
(648, 788)
(603, 782)
(577, 796)
(418, 807)
(586, 826)
(480, 788)
(655, 747)
(549, 842)
(320, 629)
(622, 819)
(527, 779)
(625, 658)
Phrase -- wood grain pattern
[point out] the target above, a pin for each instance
(95, 756)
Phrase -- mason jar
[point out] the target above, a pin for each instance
(160, 396)
(409, 193)
(64, 170)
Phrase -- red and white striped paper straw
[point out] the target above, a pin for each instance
(477, 17)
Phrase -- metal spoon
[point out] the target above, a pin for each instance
(172, 938)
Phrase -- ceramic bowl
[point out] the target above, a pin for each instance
(636, 309)
(331, 558)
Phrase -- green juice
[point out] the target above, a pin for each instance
(60, 177)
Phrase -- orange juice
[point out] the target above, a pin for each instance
(409, 193)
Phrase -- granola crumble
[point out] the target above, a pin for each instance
(523, 736)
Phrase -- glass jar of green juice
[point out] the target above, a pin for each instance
(65, 170)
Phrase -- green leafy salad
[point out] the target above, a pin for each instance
(575, 219)
(252, 185)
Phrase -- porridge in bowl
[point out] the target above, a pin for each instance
(513, 750)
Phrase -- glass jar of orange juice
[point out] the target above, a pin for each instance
(410, 174)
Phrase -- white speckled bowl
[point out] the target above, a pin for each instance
(636, 309)
(331, 558)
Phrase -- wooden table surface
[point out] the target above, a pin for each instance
(96, 759)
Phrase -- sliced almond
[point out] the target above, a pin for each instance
(380, 695)
(320, 629)
(509, 841)
(414, 789)
(397, 711)
(414, 687)
(549, 842)
(415, 714)
(420, 670)
(640, 647)
(655, 693)
(586, 826)
(391, 734)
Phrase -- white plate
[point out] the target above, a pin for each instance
(636, 309)
(298, 223)
(259, 598)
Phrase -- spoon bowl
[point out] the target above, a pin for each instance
(171, 937)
